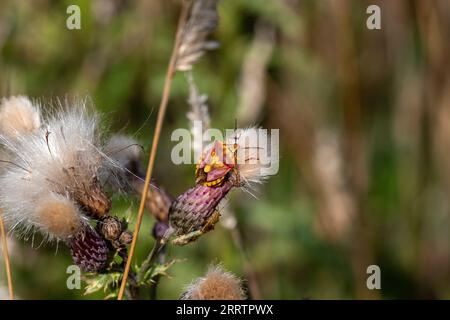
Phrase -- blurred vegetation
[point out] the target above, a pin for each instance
(364, 119)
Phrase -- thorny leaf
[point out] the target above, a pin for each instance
(105, 282)
(112, 295)
(159, 270)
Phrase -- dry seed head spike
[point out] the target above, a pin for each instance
(203, 20)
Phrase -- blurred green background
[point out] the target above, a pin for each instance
(364, 119)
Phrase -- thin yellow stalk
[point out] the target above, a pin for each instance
(157, 133)
(6, 258)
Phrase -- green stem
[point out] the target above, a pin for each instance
(149, 262)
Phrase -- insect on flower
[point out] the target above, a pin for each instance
(215, 164)
(223, 166)
(236, 160)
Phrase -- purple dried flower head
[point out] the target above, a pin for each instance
(195, 210)
(89, 250)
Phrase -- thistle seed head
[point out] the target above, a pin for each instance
(63, 157)
(92, 198)
(57, 216)
(217, 284)
(18, 116)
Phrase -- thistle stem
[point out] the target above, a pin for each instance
(149, 262)
(6, 258)
(154, 285)
(157, 133)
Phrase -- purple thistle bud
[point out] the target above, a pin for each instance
(89, 250)
(192, 210)
(159, 229)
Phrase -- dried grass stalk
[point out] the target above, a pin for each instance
(203, 19)
(6, 258)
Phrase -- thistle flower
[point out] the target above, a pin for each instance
(237, 163)
(217, 284)
(57, 166)
(202, 21)
(18, 116)
(158, 200)
(194, 213)
(89, 250)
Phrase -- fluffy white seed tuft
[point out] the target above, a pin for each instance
(256, 153)
(217, 284)
(62, 160)
(57, 216)
(18, 116)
